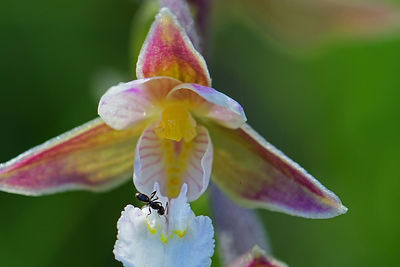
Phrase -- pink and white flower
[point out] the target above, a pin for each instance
(175, 129)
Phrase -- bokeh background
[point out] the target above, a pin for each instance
(332, 107)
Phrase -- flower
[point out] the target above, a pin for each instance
(171, 109)
(174, 148)
(177, 239)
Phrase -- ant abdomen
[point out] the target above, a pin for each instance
(142, 197)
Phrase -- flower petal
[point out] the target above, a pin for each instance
(168, 51)
(172, 163)
(208, 102)
(125, 104)
(254, 173)
(197, 246)
(92, 156)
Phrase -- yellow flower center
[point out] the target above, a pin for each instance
(176, 164)
(176, 123)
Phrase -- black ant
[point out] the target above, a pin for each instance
(151, 202)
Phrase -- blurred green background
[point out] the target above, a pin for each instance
(333, 110)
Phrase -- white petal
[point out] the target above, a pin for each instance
(195, 249)
(126, 104)
(138, 245)
(134, 242)
(208, 102)
(180, 213)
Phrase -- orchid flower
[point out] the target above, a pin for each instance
(163, 124)
(173, 148)
(178, 238)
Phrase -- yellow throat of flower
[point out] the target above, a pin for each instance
(176, 123)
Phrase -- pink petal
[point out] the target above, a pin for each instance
(172, 163)
(257, 175)
(92, 156)
(257, 258)
(168, 51)
(210, 103)
(126, 104)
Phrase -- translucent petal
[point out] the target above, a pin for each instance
(172, 163)
(168, 51)
(257, 175)
(126, 104)
(208, 102)
(92, 157)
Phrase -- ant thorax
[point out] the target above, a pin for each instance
(153, 202)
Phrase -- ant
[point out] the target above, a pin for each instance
(151, 202)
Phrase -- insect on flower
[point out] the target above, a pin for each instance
(151, 202)
(179, 238)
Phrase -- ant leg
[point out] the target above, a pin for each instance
(153, 194)
(155, 198)
(149, 211)
(166, 213)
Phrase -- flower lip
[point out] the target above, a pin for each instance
(183, 239)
